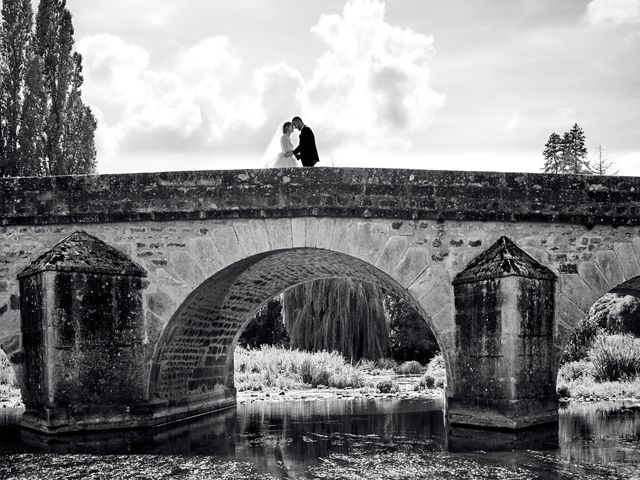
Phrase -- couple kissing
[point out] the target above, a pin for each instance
(306, 151)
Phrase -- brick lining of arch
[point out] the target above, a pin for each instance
(195, 353)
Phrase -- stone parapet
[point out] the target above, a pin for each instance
(333, 192)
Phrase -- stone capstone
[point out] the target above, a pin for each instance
(81, 252)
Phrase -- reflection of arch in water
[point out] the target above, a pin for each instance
(194, 356)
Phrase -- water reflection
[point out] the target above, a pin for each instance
(320, 439)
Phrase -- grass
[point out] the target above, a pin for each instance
(615, 357)
(273, 367)
(610, 371)
(9, 390)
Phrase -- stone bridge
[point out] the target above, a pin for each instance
(500, 265)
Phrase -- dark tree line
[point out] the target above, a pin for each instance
(45, 128)
(568, 154)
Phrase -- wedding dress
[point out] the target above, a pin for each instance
(285, 158)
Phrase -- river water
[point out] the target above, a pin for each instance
(336, 439)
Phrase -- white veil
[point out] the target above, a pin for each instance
(273, 149)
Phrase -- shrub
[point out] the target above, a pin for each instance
(426, 381)
(386, 364)
(615, 357)
(387, 386)
(411, 367)
(572, 371)
(581, 340)
(436, 369)
(7, 375)
(563, 391)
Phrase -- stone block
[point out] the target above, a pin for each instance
(311, 232)
(298, 232)
(411, 265)
(183, 266)
(592, 276)
(627, 259)
(610, 268)
(577, 290)
(280, 235)
(393, 250)
(227, 244)
(206, 255)
(245, 238)
(260, 235)
(325, 232)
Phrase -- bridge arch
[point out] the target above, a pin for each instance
(194, 355)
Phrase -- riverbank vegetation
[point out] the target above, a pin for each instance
(9, 391)
(601, 360)
(278, 370)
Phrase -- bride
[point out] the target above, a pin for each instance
(285, 158)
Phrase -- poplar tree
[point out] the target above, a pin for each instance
(69, 124)
(31, 139)
(15, 45)
(78, 142)
(3, 126)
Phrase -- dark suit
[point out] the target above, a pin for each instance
(306, 150)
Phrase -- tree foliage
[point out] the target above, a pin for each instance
(15, 45)
(612, 314)
(340, 315)
(46, 128)
(410, 338)
(566, 154)
(266, 327)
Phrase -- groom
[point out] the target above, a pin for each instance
(306, 150)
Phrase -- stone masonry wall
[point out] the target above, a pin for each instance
(419, 256)
(417, 228)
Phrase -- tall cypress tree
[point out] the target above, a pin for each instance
(16, 38)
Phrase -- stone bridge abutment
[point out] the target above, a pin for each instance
(215, 245)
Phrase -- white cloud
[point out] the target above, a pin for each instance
(613, 12)
(189, 103)
(371, 86)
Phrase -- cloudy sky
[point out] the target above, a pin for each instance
(205, 84)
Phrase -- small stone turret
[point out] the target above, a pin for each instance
(82, 330)
(503, 363)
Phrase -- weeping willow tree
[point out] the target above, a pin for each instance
(340, 315)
